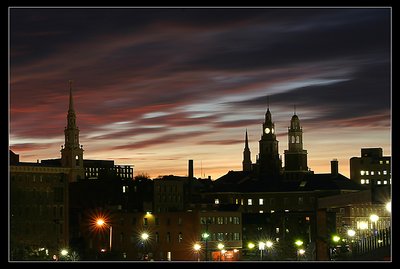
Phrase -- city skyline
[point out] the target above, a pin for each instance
(154, 88)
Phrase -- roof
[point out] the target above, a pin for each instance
(241, 181)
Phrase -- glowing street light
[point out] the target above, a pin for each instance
(351, 232)
(250, 245)
(220, 247)
(389, 207)
(144, 237)
(374, 219)
(100, 222)
(298, 243)
(261, 247)
(197, 248)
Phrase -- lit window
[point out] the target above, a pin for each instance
(380, 162)
(367, 173)
(385, 182)
(307, 218)
(387, 162)
(379, 172)
(379, 182)
(367, 181)
(216, 201)
(277, 230)
(372, 173)
(362, 181)
(362, 172)
(180, 237)
(384, 172)
(261, 201)
(237, 201)
(272, 211)
(123, 189)
(250, 201)
(261, 211)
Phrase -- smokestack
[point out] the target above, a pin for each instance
(334, 167)
(190, 169)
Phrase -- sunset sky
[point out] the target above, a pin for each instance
(155, 87)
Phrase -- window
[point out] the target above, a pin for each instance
(297, 139)
(220, 220)
(385, 182)
(379, 182)
(362, 181)
(384, 172)
(367, 181)
(277, 230)
(362, 172)
(250, 201)
(180, 237)
(236, 220)
(260, 201)
(145, 222)
(168, 237)
(261, 211)
(285, 200)
(381, 162)
(292, 139)
(387, 162)
(236, 236)
(372, 173)
(216, 201)
(237, 201)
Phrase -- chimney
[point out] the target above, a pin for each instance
(334, 167)
(190, 169)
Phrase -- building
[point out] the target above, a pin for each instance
(372, 168)
(39, 219)
(166, 236)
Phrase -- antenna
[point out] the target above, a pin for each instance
(268, 102)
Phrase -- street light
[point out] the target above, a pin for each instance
(298, 243)
(220, 247)
(389, 207)
(205, 237)
(261, 247)
(144, 236)
(374, 218)
(101, 223)
(197, 248)
(269, 245)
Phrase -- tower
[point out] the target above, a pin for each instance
(269, 163)
(246, 155)
(72, 152)
(295, 155)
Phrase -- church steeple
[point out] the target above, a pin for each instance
(246, 155)
(269, 162)
(295, 156)
(72, 152)
(71, 100)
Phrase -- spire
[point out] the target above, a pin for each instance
(71, 100)
(294, 111)
(246, 155)
(246, 143)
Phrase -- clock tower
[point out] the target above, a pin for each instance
(72, 152)
(269, 163)
(295, 155)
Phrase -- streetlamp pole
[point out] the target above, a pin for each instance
(110, 237)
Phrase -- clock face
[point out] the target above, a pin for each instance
(273, 130)
(267, 130)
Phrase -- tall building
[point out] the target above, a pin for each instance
(295, 155)
(246, 155)
(269, 162)
(72, 152)
(372, 168)
(39, 220)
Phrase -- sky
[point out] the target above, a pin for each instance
(156, 87)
